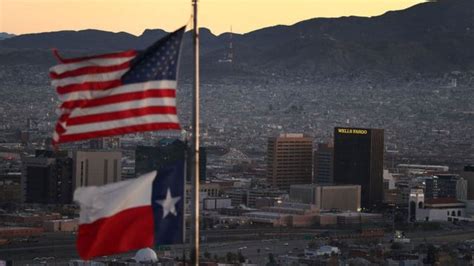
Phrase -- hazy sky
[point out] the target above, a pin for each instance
(134, 16)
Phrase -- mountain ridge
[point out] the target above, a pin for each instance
(431, 37)
(6, 35)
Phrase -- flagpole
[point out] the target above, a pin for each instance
(195, 202)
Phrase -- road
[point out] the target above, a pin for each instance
(61, 246)
(442, 237)
(254, 244)
(257, 251)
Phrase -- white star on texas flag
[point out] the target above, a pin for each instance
(168, 204)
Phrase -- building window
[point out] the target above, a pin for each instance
(115, 170)
(82, 174)
(87, 172)
(106, 170)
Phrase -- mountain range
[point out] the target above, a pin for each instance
(4, 35)
(428, 38)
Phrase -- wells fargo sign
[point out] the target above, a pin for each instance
(352, 131)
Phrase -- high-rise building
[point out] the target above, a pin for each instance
(202, 163)
(107, 143)
(151, 158)
(96, 168)
(289, 160)
(468, 174)
(358, 160)
(47, 178)
(446, 186)
(323, 164)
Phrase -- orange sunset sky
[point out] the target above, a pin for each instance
(134, 16)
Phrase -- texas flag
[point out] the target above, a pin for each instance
(132, 214)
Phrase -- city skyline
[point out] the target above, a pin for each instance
(218, 16)
(328, 142)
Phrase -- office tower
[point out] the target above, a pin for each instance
(107, 143)
(468, 174)
(358, 160)
(323, 164)
(289, 160)
(446, 186)
(47, 178)
(151, 158)
(96, 168)
(202, 163)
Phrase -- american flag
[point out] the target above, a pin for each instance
(118, 93)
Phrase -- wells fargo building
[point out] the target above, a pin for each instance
(358, 160)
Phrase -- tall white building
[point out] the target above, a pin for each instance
(96, 168)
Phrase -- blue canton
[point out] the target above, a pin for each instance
(169, 182)
(158, 62)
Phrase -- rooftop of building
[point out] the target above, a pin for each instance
(217, 198)
(348, 213)
(354, 214)
(262, 214)
(442, 201)
(29, 214)
(240, 207)
(15, 228)
(293, 205)
(469, 168)
(62, 220)
(291, 135)
(324, 185)
(4, 149)
(423, 166)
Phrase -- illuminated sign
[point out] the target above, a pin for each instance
(352, 131)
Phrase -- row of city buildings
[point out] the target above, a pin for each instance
(303, 183)
(354, 158)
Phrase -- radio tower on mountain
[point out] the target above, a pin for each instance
(230, 56)
(229, 53)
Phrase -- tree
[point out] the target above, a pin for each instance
(271, 260)
(312, 244)
(183, 258)
(396, 246)
(230, 257)
(430, 255)
(241, 257)
(207, 255)
(467, 257)
(191, 255)
(333, 261)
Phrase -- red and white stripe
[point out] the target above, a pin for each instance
(95, 103)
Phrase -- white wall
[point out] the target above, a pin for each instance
(440, 215)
